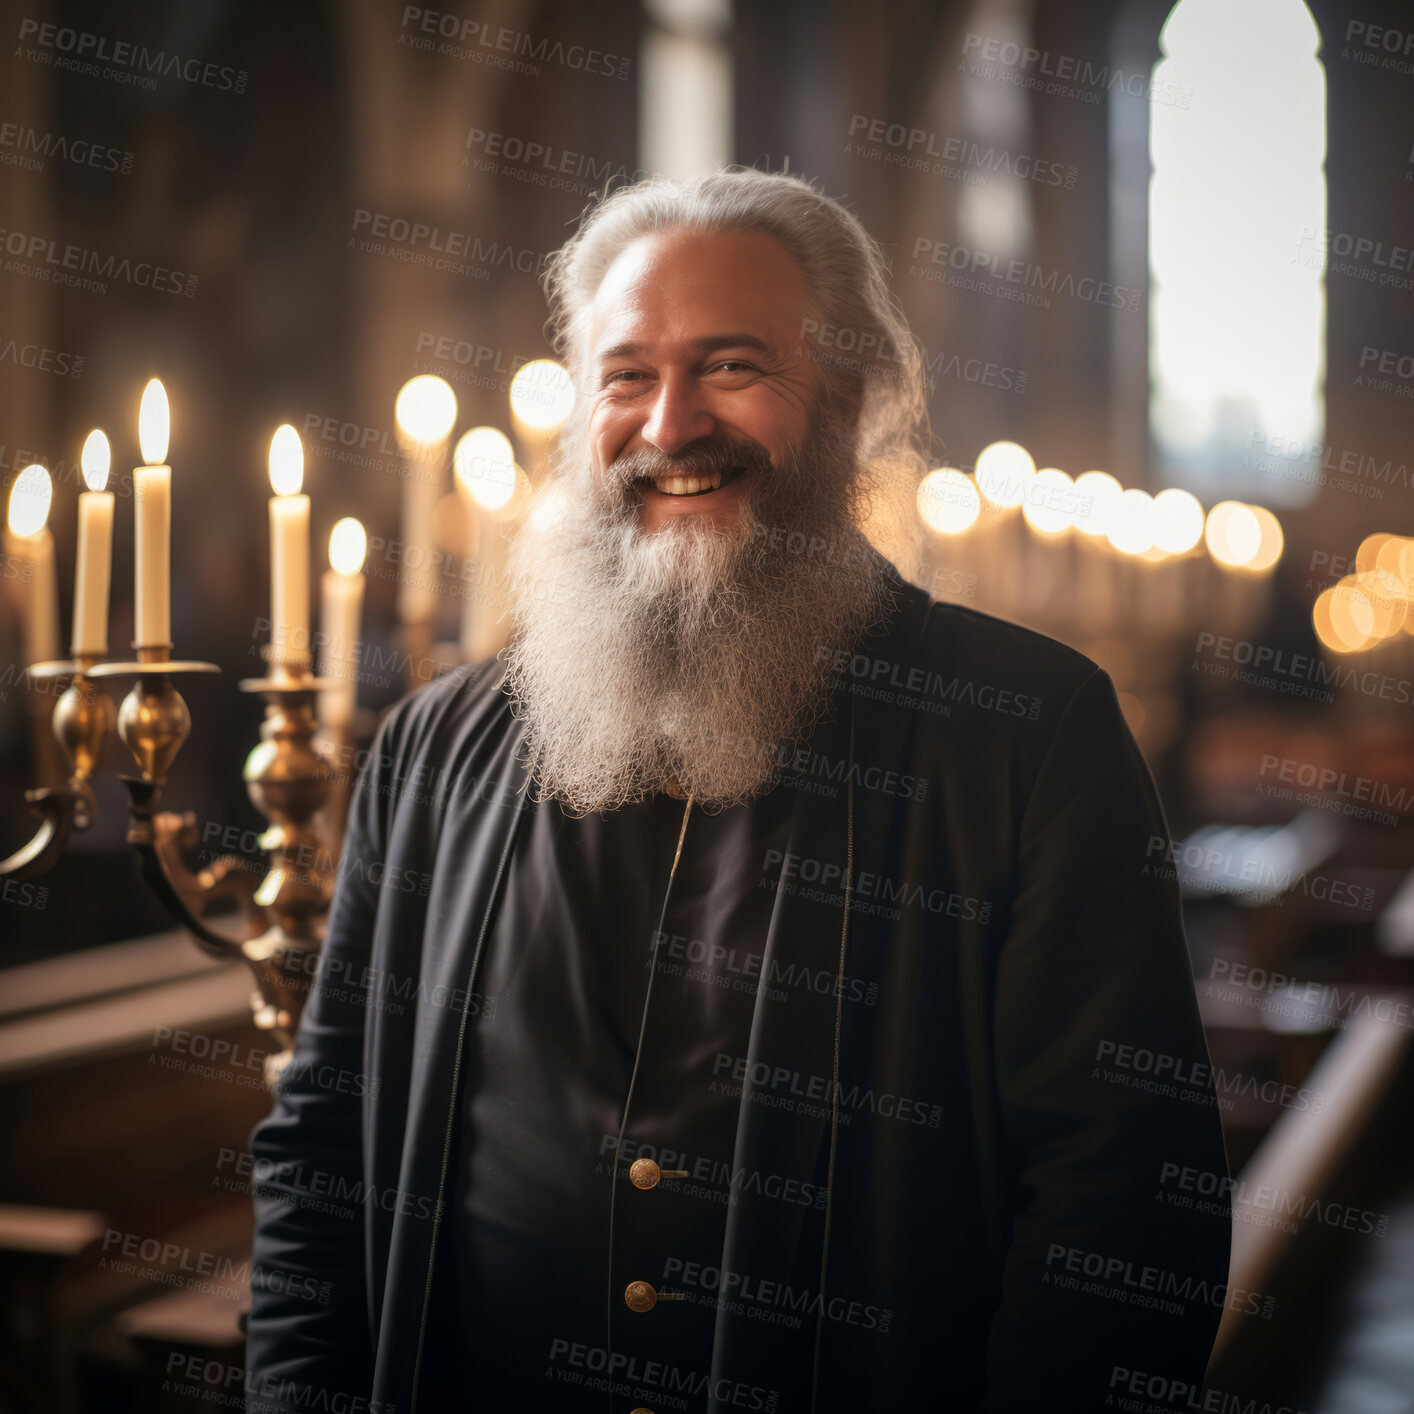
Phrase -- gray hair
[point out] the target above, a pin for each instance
(855, 325)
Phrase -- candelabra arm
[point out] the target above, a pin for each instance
(82, 717)
(57, 808)
(159, 836)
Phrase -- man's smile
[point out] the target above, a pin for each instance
(703, 490)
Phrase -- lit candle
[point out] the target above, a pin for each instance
(30, 544)
(488, 479)
(425, 411)
(289, 549)
(340, 607)
(542, 397)
(93, 567)
(152, 495)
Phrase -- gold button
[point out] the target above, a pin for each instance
(640, 1296)
(644, 1173)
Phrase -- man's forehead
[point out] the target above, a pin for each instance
(709, 290)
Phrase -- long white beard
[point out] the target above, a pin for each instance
(691, 657)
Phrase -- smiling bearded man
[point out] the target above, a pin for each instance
(686, 658)
(746, 1019)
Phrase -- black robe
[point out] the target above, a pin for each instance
(976, 844)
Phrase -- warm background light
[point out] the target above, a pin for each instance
(1050, 501)
(426, 408)
(1004, 471)
(1178, 521)
(484, 463)
(542, 395)
(1097, 494)
(948, 501)
(1132, 523)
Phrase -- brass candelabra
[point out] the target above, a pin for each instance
(293, 777)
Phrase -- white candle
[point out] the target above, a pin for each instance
(29, 543)
(152, 496)
(340, 608)
(289, 549)
(425, 411)
(94, 562)
(490, 484)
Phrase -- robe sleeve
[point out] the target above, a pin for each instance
(1103, 1274)
(307, 1336)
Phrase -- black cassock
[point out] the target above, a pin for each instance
(921, 1034)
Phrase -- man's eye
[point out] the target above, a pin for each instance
(622, 374)
(734, 364)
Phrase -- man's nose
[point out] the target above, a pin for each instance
(679, 415)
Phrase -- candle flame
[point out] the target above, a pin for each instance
(485, 467)
(286, 461)
(426, 409)
(348, 544)
(154, 423)
(29, 501)
(542, 395)
(95, 459)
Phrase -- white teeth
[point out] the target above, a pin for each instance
(687, 485)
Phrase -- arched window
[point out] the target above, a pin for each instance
(1237, 140)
